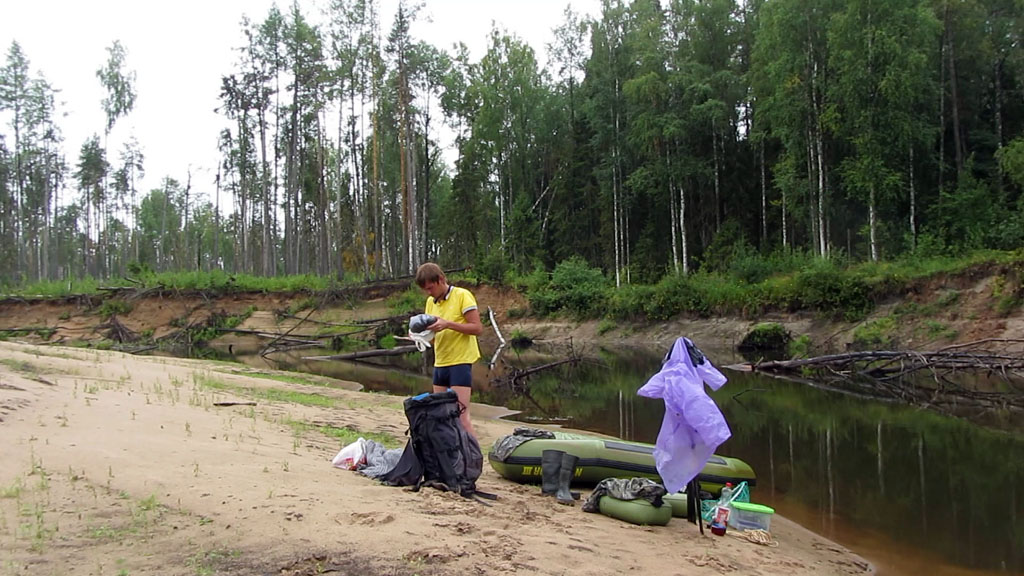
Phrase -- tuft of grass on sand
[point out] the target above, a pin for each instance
(268, 394)
(286, 378)
(20, 366)
(12, 491)
(344, 434)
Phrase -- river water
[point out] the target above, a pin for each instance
(910, 490)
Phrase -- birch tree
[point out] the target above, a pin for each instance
(118, 102)
(879, 55)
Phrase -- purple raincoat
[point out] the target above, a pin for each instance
(693, 426)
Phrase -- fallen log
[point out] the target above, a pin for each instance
(396, 351)
(883, 363)
(941, 379)
(517, 378)
(284, 337)
(296, 339)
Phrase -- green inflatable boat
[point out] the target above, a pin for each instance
(640, 512)
(600, 458)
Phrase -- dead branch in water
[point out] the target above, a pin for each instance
(396, 351)
(295, 338)
(929, 378)
(272, 345)
(517, 378)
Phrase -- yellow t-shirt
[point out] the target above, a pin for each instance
(451, 347)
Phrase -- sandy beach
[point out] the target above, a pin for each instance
(123, 465)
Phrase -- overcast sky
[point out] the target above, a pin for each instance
(179, 51)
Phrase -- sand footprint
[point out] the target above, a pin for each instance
(368, 518)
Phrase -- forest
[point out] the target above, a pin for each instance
(661, 138)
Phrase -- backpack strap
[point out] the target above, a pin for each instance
(447, 471)
(481, 497)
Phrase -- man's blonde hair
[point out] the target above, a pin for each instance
(428, 272)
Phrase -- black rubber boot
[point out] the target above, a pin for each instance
(550, 464)
(565, 476)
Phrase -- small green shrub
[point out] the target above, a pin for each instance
(937, 329)
(574, 287)
(800, 346)
(103, 344)
(114, 307)
(676, 294)
(513, 313)
(949, 298)
(605, 326)
(1007, 304)
(348, 435)
(238, 319)
(629, 302)
(766, 336)
(875, 335)
(343, 343)
(831, 291)
(750, 267)
(302, 304)
(493, 267)
(410, 301)
(520, 339)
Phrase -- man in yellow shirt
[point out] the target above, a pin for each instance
(455, 347)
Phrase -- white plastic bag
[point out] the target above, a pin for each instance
(351, 456)
(421, 339)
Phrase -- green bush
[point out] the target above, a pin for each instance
(114, 307)
(492, 268)
(766, 336)
(520, 339)
(574, 287)
(875, 335)
(800, 346)
(302, 304)
(727, 245)
(673, 295)
(410, 301)
(514, 313)
(543, 301)
(833, 292)
(629, 302)
(750, 267)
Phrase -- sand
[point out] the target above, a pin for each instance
(121, 465)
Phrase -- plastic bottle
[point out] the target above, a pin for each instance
(726, 496)
(721, 521)
(723, 510)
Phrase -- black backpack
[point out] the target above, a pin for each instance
(440, 453)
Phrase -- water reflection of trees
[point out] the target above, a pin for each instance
(935, 483)
(597, 394)
(940, 483)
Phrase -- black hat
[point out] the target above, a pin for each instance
(420, 322)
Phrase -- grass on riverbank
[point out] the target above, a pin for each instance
(752, 285)
(748, 284)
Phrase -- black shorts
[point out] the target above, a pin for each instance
(457, 375)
